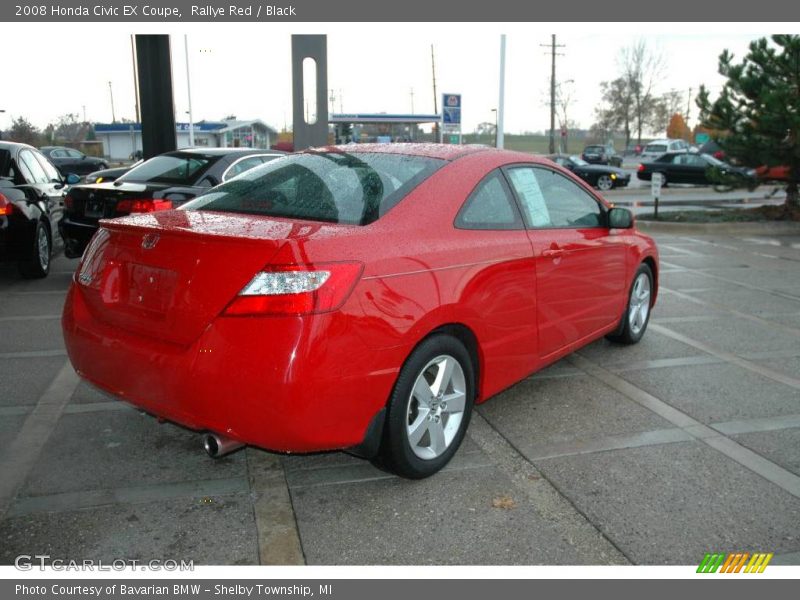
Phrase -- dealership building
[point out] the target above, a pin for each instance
(122, 140)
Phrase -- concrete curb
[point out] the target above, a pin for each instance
(741, 228)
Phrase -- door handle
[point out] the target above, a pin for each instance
(553, 253)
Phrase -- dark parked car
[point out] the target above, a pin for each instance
(600, 176)
(69, 160)
(160, 183)
(109, 175)
(601, 154)
(31, 202)
(696, 168)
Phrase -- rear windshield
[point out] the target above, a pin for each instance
(655, 148)
(336, 187)
(183, 169)
(593, 149)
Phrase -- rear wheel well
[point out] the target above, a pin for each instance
(466, 336)
(650, 262)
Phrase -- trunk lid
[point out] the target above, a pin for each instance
(99, 200)
(169, 274)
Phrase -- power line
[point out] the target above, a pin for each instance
(553, 53)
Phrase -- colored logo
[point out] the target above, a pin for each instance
(734, 562)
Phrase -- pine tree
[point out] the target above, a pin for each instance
(759, 108)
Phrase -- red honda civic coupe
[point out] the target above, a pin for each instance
(360, 298)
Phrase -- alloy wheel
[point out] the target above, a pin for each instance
(639, 305)
(435, 407)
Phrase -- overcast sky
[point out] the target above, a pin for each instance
(244, 69)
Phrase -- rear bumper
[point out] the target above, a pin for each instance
(76, 235)
(286, 384)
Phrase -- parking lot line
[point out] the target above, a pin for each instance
(23, 452)
(623, 441)
(278, 537)
(30, 318)
(685, 295)
(89, 407)
(33, 354)
(753, 288)
(745, 457)
(14, 411)
(69, 501)
(755, 425)
(729, 357)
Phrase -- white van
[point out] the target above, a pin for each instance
(658, 147)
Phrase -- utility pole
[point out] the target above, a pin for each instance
(553, 54)
(113, 114)
(688, 105)
(332, 99)
(435, 97)
(412, 100)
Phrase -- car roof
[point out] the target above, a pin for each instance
(430, 150)
(13, 146)
(223, 151)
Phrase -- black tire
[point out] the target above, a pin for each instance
(626, 332)
(37, 265)
(397, 454)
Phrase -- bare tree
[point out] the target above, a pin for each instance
(641, 68)
(617, 112)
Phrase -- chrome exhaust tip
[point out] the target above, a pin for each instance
(217, 446)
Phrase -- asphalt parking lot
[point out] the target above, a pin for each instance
(686, 443)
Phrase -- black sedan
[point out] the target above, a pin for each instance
(695, 168)
(108, 175)
(31, 202)
(600, 176)
(69, 160)
(160, 183)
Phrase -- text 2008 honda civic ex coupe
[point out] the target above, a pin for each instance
(359, 298)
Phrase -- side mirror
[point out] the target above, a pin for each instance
(73, 179)
(620, 218)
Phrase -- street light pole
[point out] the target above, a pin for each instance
(189, 90)
(494, 110)
(111, 93)
(2, 111)
(500, 113)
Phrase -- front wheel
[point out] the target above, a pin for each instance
(605, 183)
(429, 409)
(637, 314)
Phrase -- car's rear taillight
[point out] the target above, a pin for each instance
(145, 205)
(296, 289)
(641, 167)
(6, 207)
(69, 202)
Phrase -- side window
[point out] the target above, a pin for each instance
(553, 201)
(30, 166)
(489, 206)
(73, 154)
(52, 173)
(243, 165)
